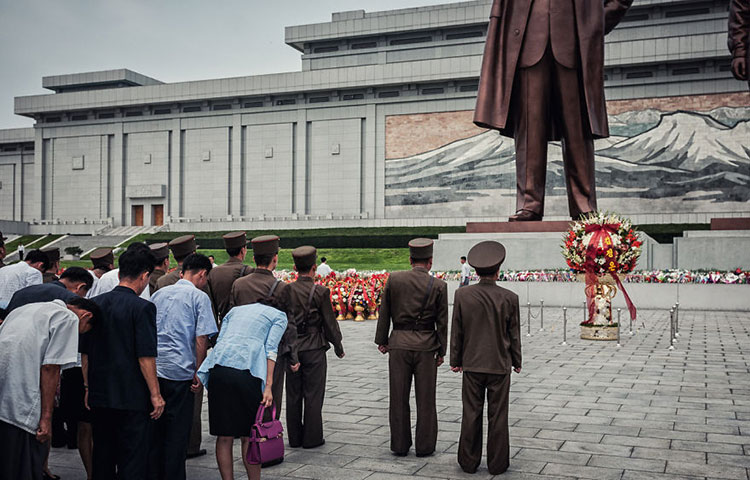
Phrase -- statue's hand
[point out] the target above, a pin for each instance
(739, 68)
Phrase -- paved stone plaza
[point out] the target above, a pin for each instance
(586, 410)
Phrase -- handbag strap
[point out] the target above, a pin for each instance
(426, 297)
(262, 411)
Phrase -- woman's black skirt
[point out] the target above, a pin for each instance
(233, 400)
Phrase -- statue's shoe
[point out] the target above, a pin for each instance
(525, 216)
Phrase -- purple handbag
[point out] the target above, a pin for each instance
(266, 439)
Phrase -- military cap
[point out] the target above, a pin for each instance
(486, 256)
(183, 246)
(420, 248)
(235, 240)
(53, 254)
(102, 256)
(305, 255)
(160, 251)
(265, 245)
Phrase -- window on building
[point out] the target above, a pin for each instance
(326, 49)
(106, 115)
(461, 35)
(9, 149)
(389, 94)
(410, 40)
(635, 17)
(194, 108)
(432, 90)
(318, 99)
(222, 106)
(469, 88)
(353, 96)
(640, 74)
(686, 71)
(686, 12)
(255, 104)
(79, 117)
(286, 101)
(53, 119)
(725, 67)
(28, 148)
(136, 113)
(162, 111)
(361, 45)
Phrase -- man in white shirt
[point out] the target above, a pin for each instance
(323, 269)
(465, 273)
(36, 342)
(21, 275)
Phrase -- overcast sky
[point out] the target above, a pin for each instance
(170, 40)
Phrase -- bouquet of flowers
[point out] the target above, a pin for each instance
(602, 243)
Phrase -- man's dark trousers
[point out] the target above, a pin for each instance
(172, 431)
(121, 443)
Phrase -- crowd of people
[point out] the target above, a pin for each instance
(137, 345)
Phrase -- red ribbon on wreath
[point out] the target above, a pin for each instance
(602, 233)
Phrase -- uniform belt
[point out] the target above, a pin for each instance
(415, 326)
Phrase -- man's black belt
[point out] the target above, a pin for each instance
(416, 326)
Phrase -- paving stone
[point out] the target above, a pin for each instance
(553, 456)
(636, 441)
(624, 463)
(723, 459)
(596, 473)
(729, 448)
(714, 471)
(318, 472)
(669, 455)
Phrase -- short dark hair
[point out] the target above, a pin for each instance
(233, 252)
(211, 256)
(487, 272)
(78, 274)
(263, 260)
(196, 262)
(88, 305)
(303, 267)
(37, 255)
(323, 259)
(135, 261)
(463, 258)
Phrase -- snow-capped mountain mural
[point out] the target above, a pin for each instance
(677, 158)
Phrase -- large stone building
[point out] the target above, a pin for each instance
(376, 130)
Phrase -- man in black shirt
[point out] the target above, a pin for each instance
(74, 282)
(120, 368)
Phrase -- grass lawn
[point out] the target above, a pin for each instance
(339, 259)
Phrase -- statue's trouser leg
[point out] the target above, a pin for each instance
(578, 143)
(531, 117)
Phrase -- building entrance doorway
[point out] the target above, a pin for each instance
(157, 215)
(137, 215)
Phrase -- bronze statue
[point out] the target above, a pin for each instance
(542, 79)
(739, 38)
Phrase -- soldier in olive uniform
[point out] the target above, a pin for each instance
(417, 304)
(53, 254)
(181, 248)
(311, 311)
(161, 252)
(485, 346)
(221, 278)
(262, 286)
(103, 260)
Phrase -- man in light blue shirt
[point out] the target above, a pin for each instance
(184, 321)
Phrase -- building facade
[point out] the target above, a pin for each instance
(376, 130)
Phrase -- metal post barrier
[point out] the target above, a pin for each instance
(674, 323)
(677, 320)
(541, 315)
(671, 329)
(631, 325)
(528, 318)
(619, 311)
(585, 311)
(565, 326)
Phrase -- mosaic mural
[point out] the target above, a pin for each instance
(656, 159)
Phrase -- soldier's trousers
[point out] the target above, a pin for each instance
(305, 392)
(277, 389)
(422, 366)
(470, 443)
